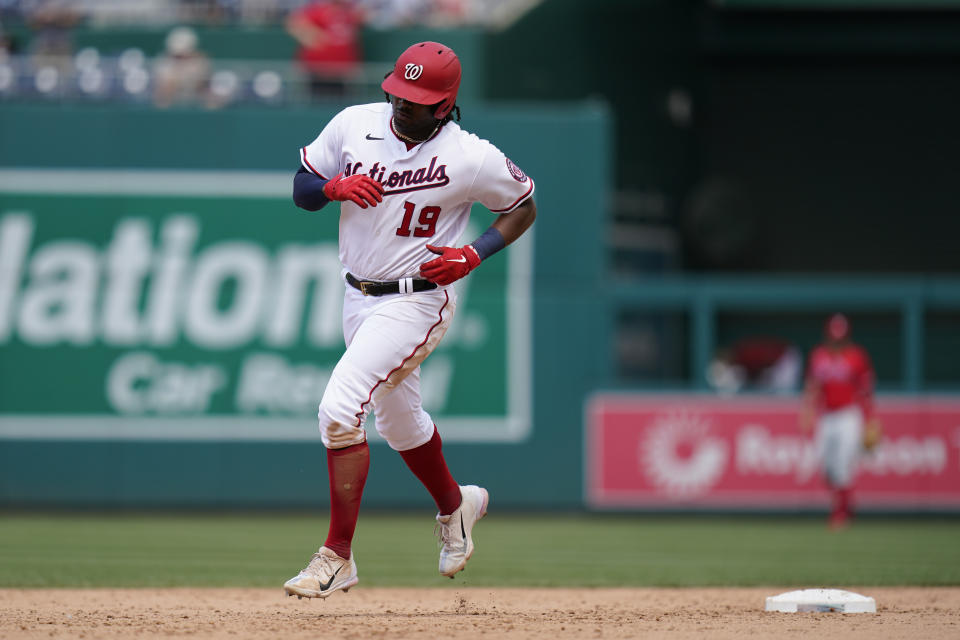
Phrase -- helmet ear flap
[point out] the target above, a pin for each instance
(443, 108)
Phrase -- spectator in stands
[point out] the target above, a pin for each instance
(396, 14)
(51, 23)
(330, 50)
(7, 44)
(756, 364)
(182, 72)
(449, 13)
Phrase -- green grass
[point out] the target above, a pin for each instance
(399, 550)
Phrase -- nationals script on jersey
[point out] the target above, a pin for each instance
(428, 190)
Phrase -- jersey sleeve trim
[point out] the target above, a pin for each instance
(308, 166)
(516, 202)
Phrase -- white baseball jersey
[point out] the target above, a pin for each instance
(428, 190)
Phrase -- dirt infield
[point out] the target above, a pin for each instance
(930, 613)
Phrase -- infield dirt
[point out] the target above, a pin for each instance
(472, 612)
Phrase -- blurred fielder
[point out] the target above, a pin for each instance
(406, 175)
(839, 387)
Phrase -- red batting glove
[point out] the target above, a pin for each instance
(452, 264)
(359, 188)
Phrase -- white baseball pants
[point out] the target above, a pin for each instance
(387, 338)
(839, 440)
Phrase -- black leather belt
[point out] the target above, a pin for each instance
(380, 288)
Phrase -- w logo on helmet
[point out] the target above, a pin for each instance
(426, 73)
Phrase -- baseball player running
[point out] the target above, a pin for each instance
(406, 175)
(839, 385)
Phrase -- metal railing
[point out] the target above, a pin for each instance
(133, 78)
(703, 298)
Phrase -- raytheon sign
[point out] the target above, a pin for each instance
(688, 451)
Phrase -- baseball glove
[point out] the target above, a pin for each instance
(872, 434)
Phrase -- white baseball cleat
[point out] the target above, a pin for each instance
(455, 529)
(327, 572)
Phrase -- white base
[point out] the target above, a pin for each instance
(823, 600)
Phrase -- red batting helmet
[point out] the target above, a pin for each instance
(426, 73)
(837, 327)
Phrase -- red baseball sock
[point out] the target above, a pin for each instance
(841, 512)
(427, 463)
(347, 469)
(843, 503)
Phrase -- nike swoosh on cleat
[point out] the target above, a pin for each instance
(463, 532)
(324, 587)
(370, 137)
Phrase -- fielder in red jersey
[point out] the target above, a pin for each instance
(839, 392)
(330, 49)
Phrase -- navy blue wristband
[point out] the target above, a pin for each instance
(308, 190)
(489, 242)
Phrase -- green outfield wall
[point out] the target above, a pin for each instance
(168, 317)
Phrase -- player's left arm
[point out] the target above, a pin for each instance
(512, 225)
(872, 428)
(865, 384)
(454, 263)
(504, 189)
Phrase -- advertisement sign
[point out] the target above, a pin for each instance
(653, 451)
(204, 305)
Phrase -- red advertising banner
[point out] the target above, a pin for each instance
(674, 451)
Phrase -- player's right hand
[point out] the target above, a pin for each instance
(360, 189)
